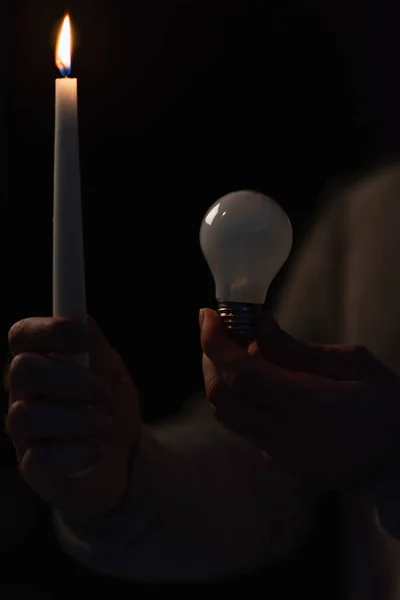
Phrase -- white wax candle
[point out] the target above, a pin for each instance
(69, 294)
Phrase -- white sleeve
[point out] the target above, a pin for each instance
(310, 305)
(344, 284)
(204, 505)
(344, 287)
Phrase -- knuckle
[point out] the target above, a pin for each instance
(18, 370)
(211, 380)
(17, 335)
(15, 418)
(215, 391)
(209, 373)
(240, 375)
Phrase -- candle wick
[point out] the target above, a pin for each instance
(64, 70)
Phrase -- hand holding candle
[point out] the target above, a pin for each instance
(81, 433)
(69, 294)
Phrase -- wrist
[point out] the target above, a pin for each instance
(104, 490)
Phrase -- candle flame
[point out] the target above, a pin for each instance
(64, 46)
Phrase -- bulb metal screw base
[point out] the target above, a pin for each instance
(242, 319)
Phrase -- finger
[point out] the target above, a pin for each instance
(218, 393)
(338, 362)
(216, 343)
(31, 375)
(257, 379)
(216, 389)
(59, 460)
(44, 335)
(28, 422)
(232, 362)
(61, 336)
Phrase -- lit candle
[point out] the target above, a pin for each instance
(69, 294)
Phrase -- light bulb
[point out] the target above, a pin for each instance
(246, 238)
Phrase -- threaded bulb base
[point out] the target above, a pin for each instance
(242, 319)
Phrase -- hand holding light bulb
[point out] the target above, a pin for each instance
(330, 414)
(246, 238)
(327, 413)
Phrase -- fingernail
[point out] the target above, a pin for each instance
(79, 474)
(202, 315)
(84, 455)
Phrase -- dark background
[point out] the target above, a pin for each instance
(180, 102)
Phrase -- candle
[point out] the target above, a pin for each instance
(69, 294)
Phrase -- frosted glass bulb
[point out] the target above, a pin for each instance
(246, 238)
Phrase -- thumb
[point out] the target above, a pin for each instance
(246, 374)
(242, 372)
(216, 343)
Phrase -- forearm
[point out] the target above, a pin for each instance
(203, 505)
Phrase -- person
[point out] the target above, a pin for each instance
(343, 288)
(329, 414)
(294, 400)
(181, 467)
(378, 114)
(173, 479)
(184, 501)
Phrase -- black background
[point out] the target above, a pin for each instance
(181, 102)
